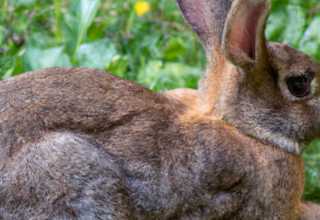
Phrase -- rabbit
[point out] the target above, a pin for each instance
(79, 143)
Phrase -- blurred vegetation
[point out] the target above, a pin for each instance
(154, 48)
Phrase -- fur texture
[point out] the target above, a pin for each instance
(78, 143)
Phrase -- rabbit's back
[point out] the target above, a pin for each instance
(81, 100)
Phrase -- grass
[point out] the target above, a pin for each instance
(156, 49)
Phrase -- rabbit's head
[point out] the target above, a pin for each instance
(267, 90)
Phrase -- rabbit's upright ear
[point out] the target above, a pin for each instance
(206, 18)
(243, 38)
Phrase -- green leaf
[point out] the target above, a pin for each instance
(310, 42)
(160, 77)
(174, 48)
(277, 22)
(86, 12)
(2, 34)
(295, 25)
(21, 2)
(15, 70)
(225, 119)
(152, 44)
(36, 58)
(63, 60)
(76, 24)
(18, 69)
(119, 66)
(150, 75)
(70, 32)
(8, 73)
(312, 165)
(98, 54)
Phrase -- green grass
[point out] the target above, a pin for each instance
(157, 49)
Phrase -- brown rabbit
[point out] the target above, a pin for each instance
(81, 143)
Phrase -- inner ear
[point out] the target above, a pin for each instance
(244, 31)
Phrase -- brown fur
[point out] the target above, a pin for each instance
(80, 143)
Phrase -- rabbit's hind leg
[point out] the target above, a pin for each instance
(62, 177)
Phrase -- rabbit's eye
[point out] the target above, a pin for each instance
(298, 86)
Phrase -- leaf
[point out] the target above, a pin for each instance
(174, 48)
(8, 73)
(21, 2)
(98, 54)
(63, 60)
(36, 58)
(86, 12)
(149, 76)
(296, 22)
(15, 70)
(310, 42)
(152, 44)
(160, 77)
(2, 34)
(277, 22)
(119, 66)
(18, 69)
(76, 25)
(70, 32)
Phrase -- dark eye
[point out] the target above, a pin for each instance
(299, 86)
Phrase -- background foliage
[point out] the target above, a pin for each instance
(156, 49)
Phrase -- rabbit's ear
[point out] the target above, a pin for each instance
(243, 39)
(206, 18)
